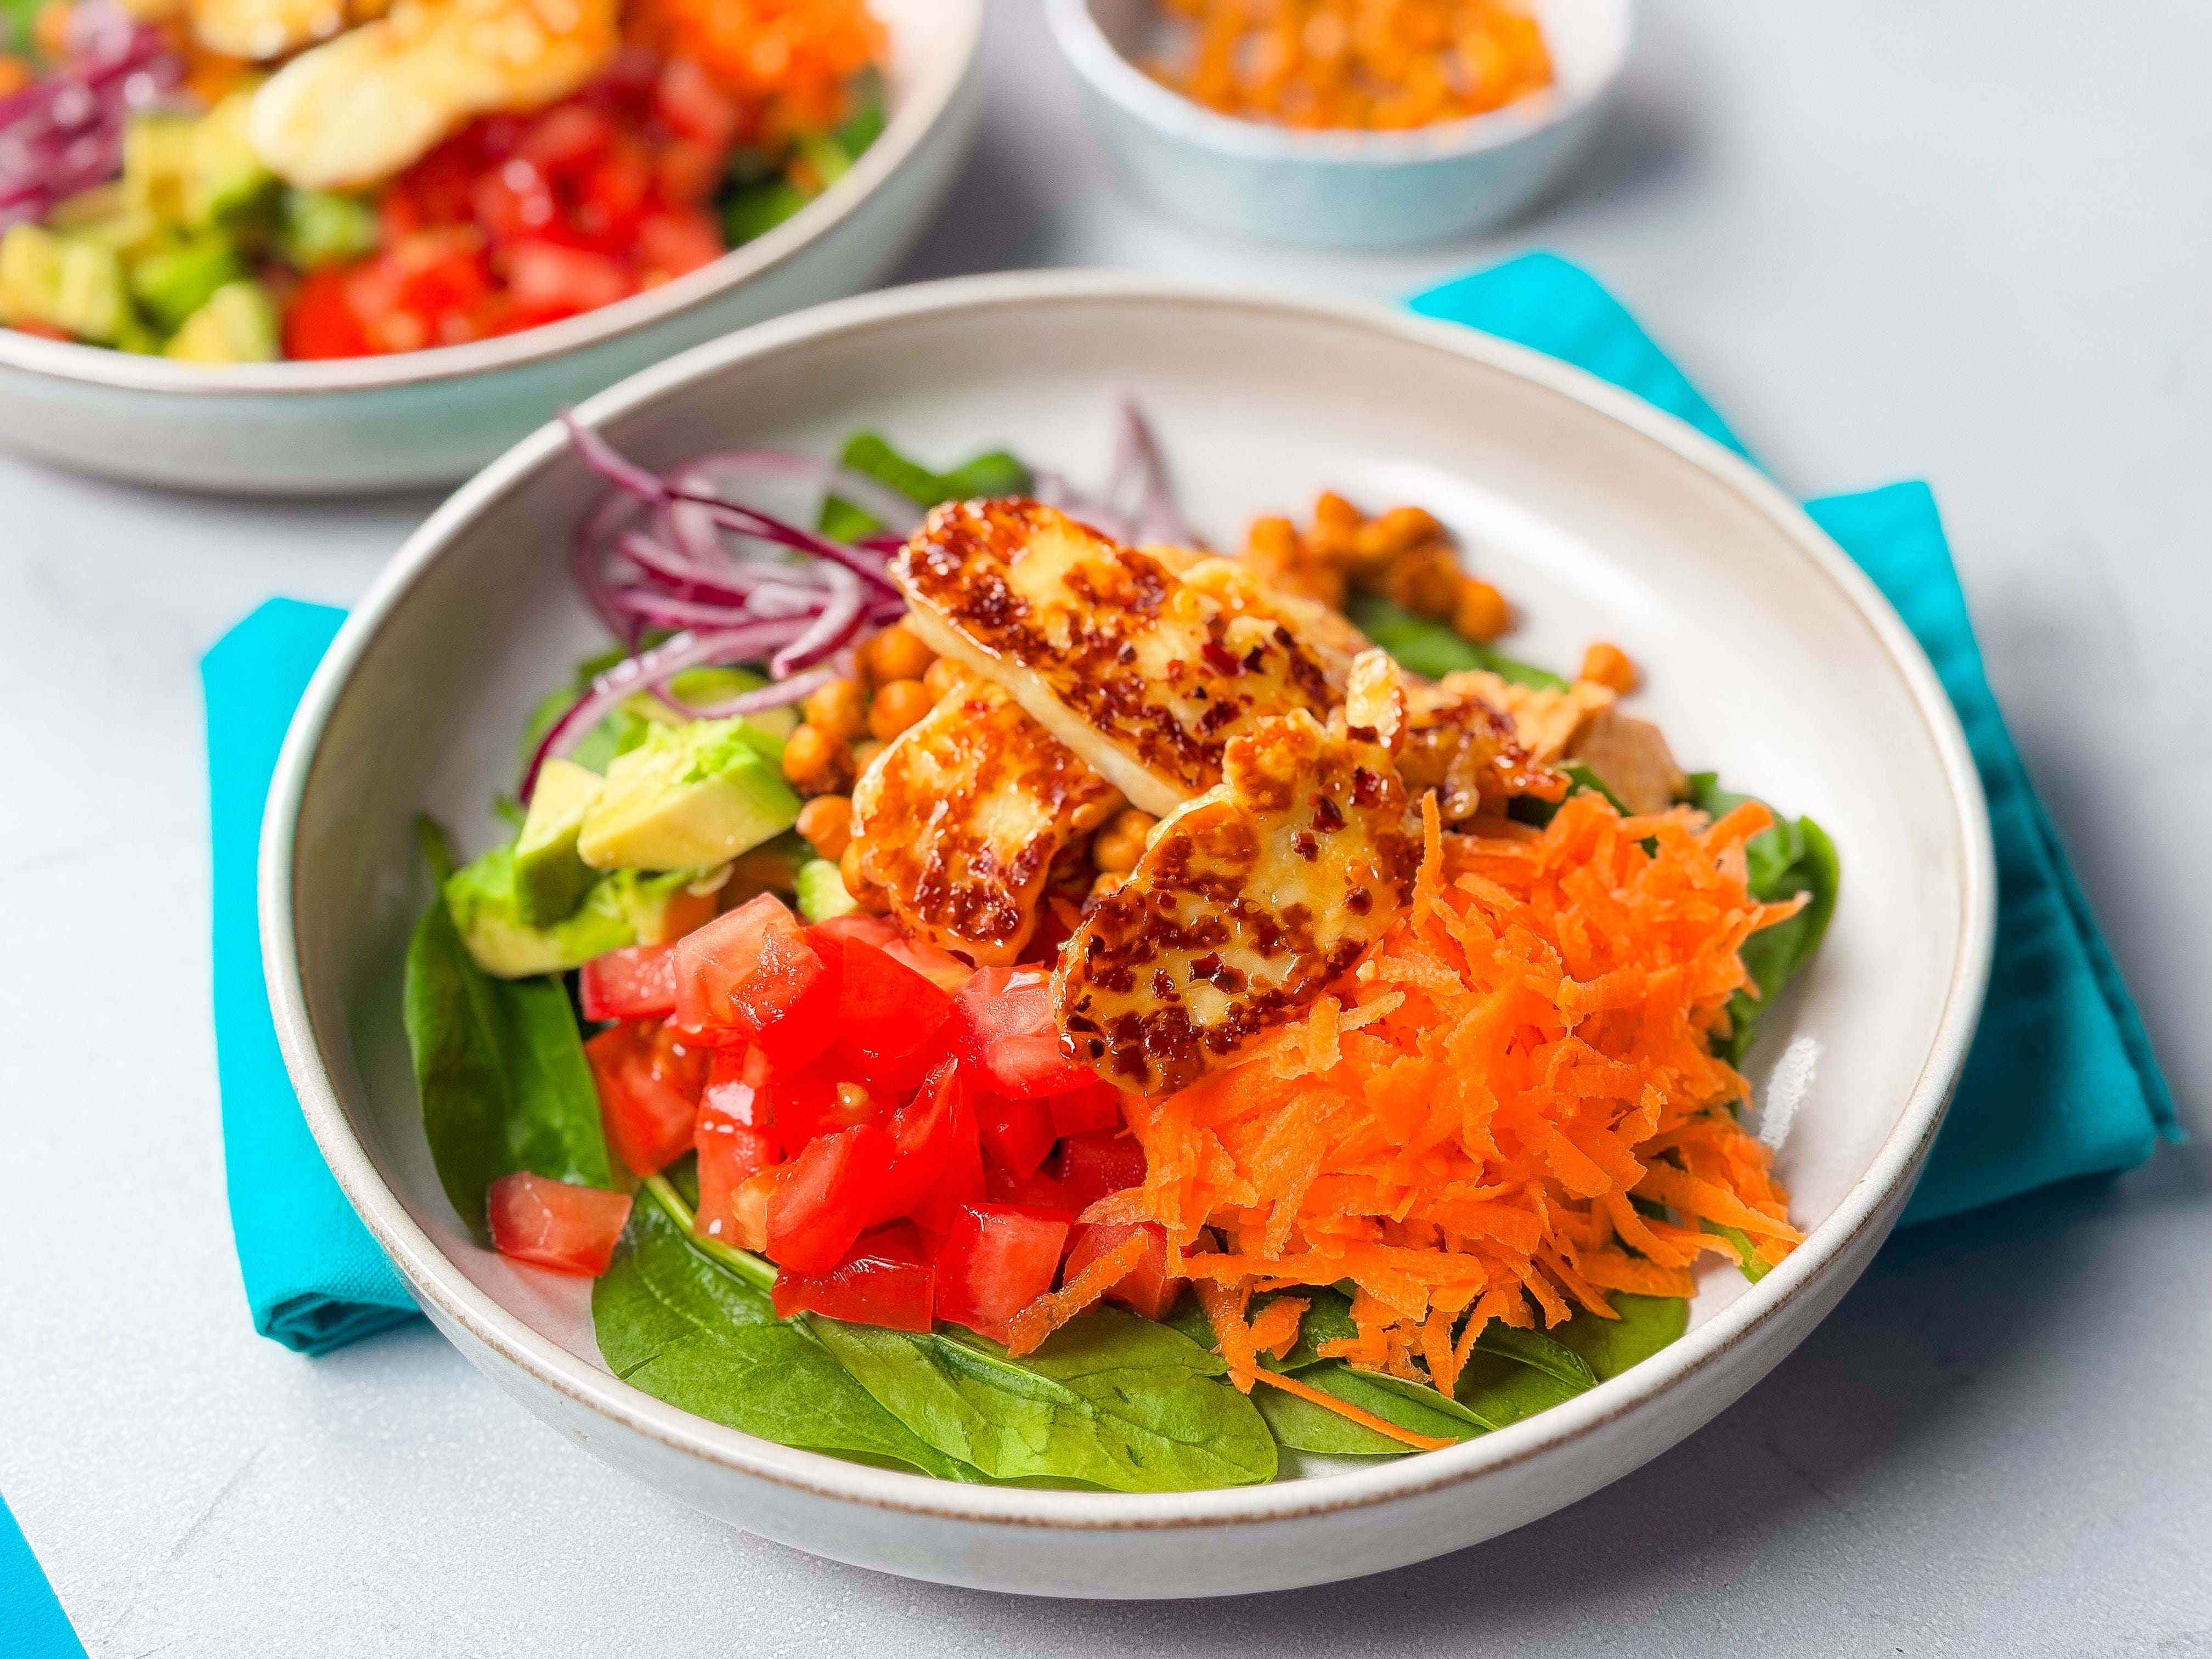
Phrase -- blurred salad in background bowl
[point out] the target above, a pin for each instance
(255, 197)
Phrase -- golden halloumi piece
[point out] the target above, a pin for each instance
(1469, 753)
(959, 818)
(355, 110)
(1247, 903)
(1143, 673)
(263, 29)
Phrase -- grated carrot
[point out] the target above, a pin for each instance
(1053, 1308)
(1458, 1130)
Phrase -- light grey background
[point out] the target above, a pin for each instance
(1965, 241)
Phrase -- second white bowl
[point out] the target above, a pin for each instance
(1343, 189)
(428, 417)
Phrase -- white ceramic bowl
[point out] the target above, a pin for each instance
(1768, 655)
(1339, 189)
(424, 417)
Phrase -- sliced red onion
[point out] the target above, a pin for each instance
(781, 695)
(840, 618)
(63, 132)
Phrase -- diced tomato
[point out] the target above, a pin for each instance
(732, 1151)
(818, 1100)
(672, 241)
(547, 281)
(927, 1134)
(996, 1259)
(945, 1105)
(885, 1281)
(686, 173)
(635, 982)
(825, 1196)
(1096, 1106)
(648, 1084)
(940, 967)
(1145, 1287)
(321, 322)
(1040, 1191)
(515, 199)
(884, 1007)
(693, 104)
(1007, 1029)
(566, 137)
(750, 974)
(736, 1086)
(571, 1229)
(1093, 1165)
(1017, 1133)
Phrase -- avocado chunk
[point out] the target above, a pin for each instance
(65, 284)
(322, 226)
(550, 879)
(194, 172)
(688, 797)
(627, 907)
(822, 892)
(172, 282)
(237, 325)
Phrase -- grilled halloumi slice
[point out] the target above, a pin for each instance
(1469, 753)
(1145, 674)
(1247, 903)
(354, 111)
(959, 817)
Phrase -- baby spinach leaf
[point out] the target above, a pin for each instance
(1431, 647)
(1414, 1406)
(1299, 1425)
(1112, 1400)
(499, 1064)
(1513, 1374)
(994, 473)
(1647, 1324)
(1794, 856)
(1327, 1319)
(690, 1332)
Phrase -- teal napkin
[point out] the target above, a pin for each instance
(32, 1623)
(2061, 1082)
(314, 1279)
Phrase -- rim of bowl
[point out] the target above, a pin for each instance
(918, 115)
(1114, 76)
(452, 1297)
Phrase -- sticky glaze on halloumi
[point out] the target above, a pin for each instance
(959, 818)
(1143, 673)
(1247, 903)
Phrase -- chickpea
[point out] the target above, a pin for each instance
(1121, 843)
(15, 75)
(898, 704)
(826, 821)
(815, 762)
(1425, 580)
(864, 751)
(1608, 664)
(944, 678)
(839, 709)
(897, 653)
(1480, 613)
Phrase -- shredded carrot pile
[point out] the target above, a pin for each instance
(1508, 1109)
(787, 60)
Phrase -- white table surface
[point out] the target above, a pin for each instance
(1966, 242)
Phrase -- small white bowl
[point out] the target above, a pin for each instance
(428, 417)
(1768, 653)
(1343, 189)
